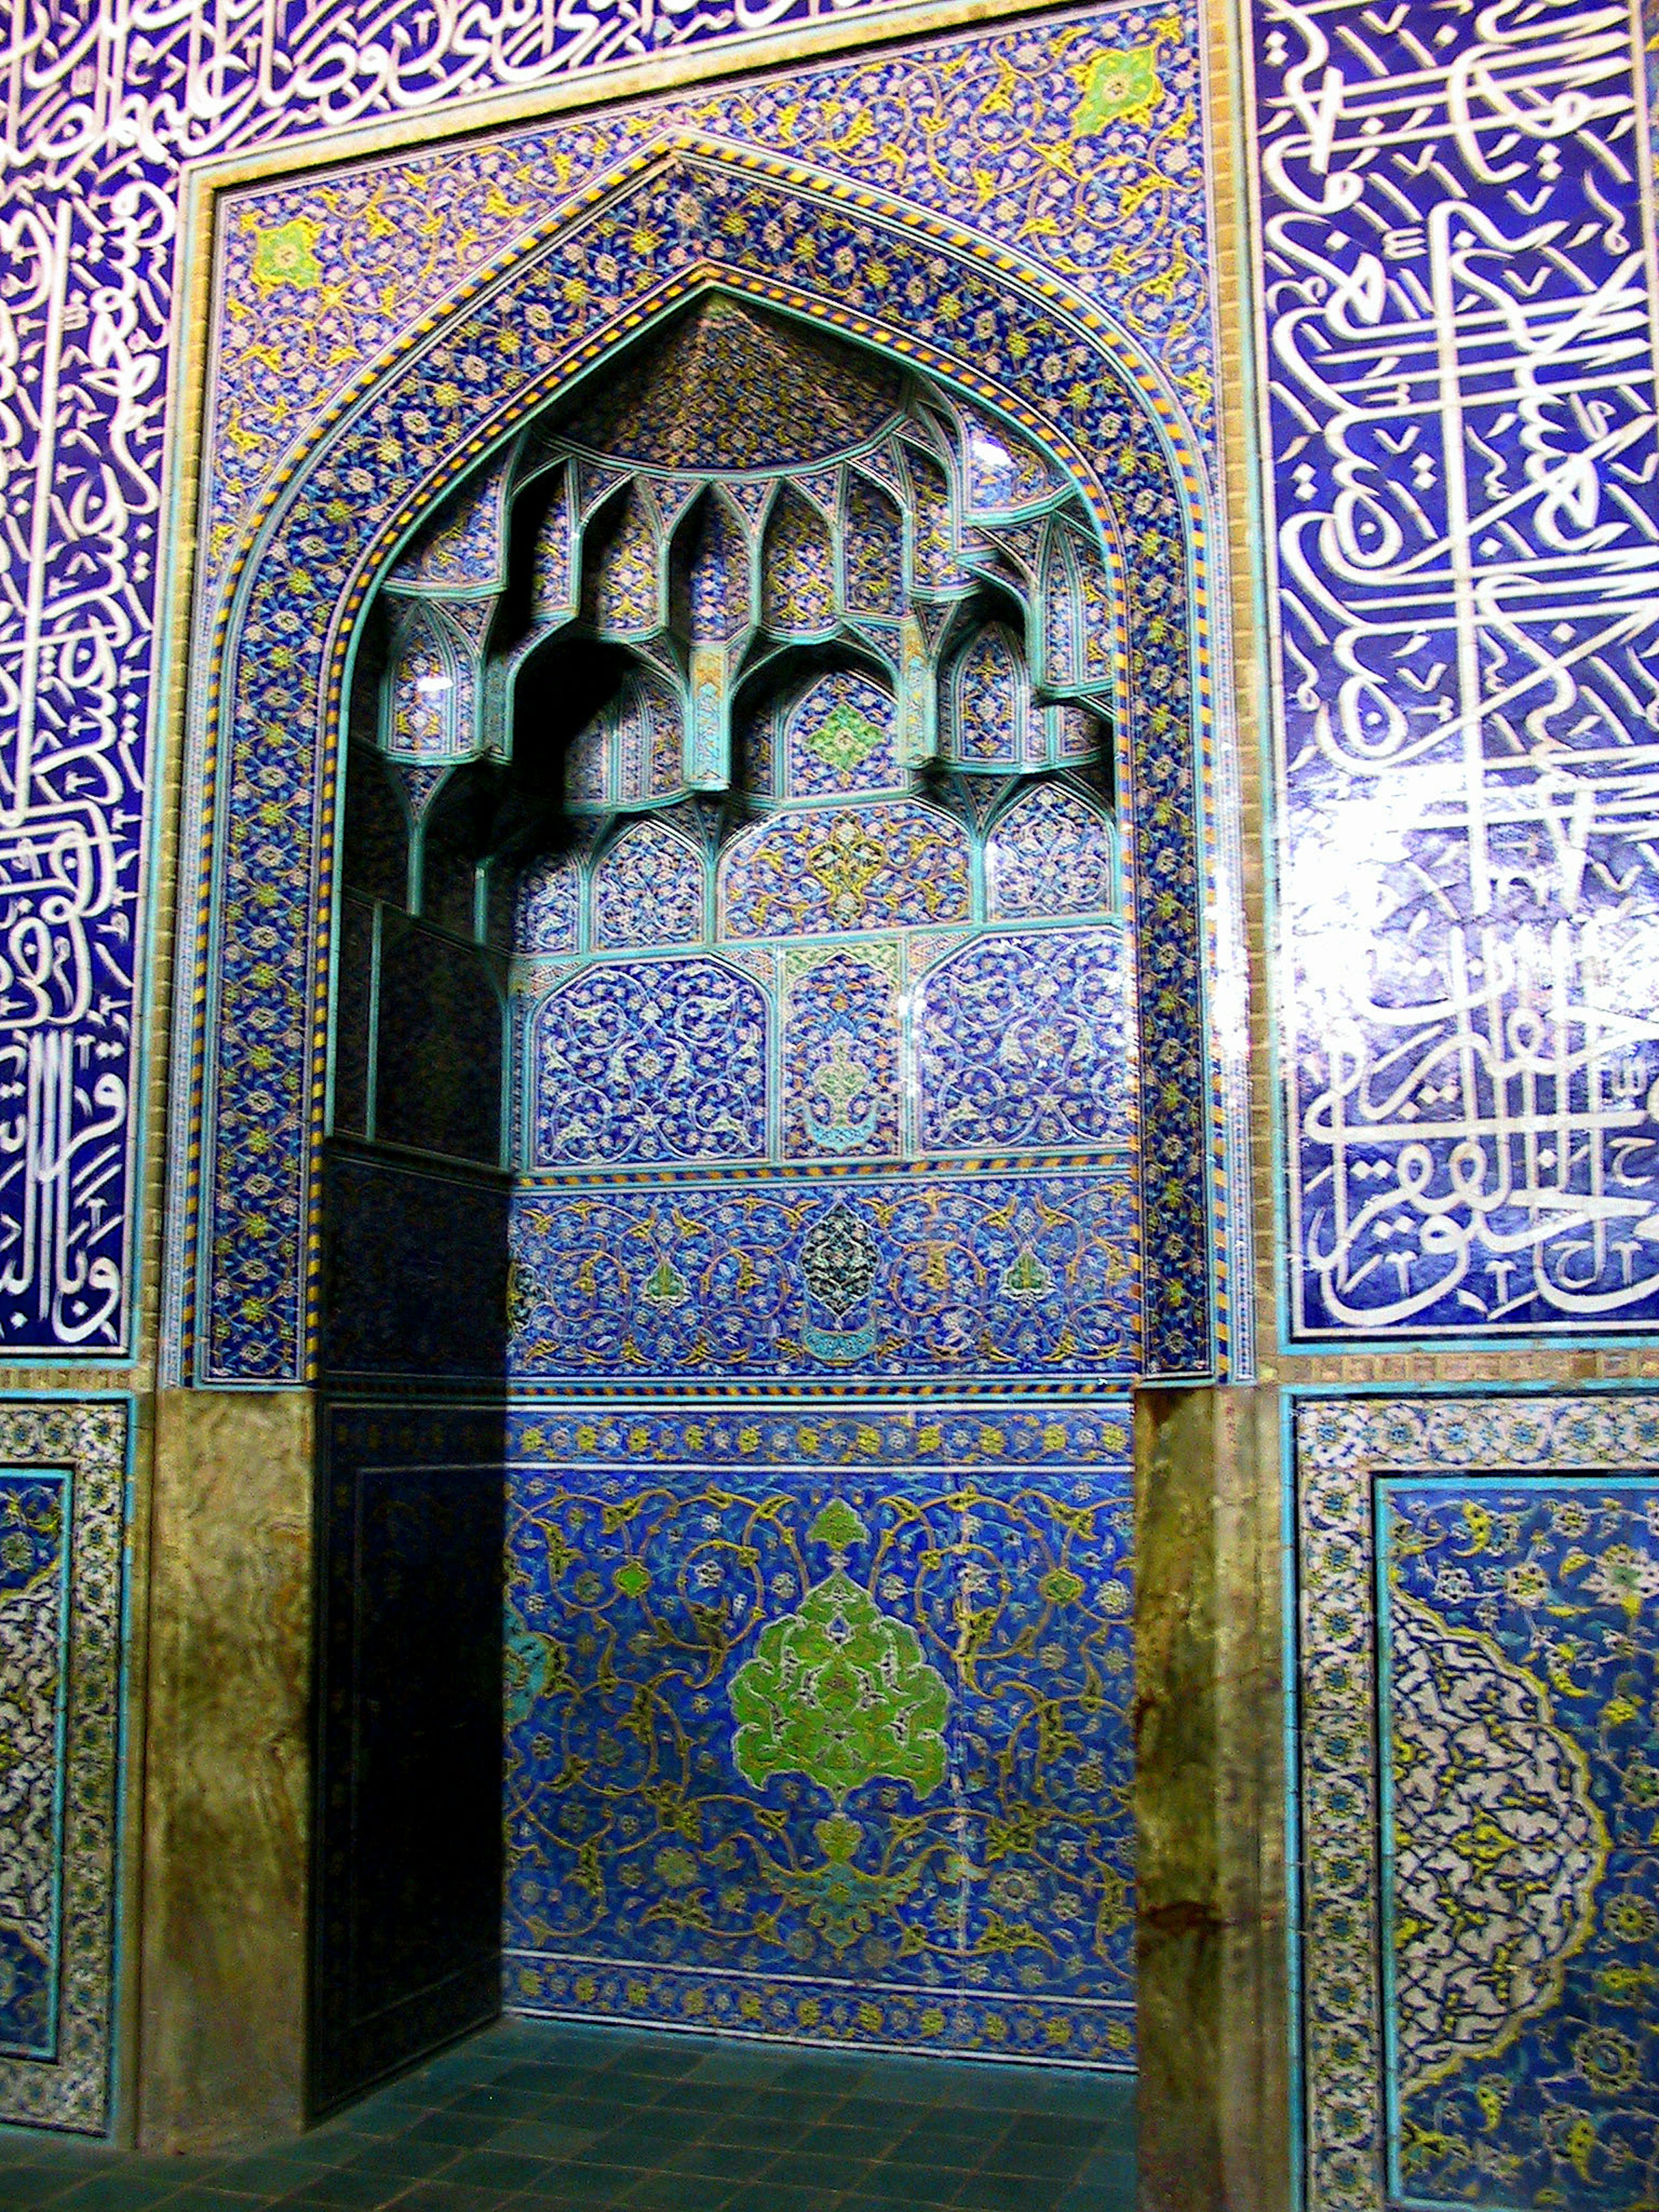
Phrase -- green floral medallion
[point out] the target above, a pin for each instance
(838, 1690)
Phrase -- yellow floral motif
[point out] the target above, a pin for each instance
(1119, 86)
(286, 255)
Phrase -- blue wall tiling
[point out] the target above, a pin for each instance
(1478, 1788)
(34, 1552)
(1025, 1045)
(981, 1276)
(841, 1055)
(650, 1063)
(63, 1529)
(1466, 662)
(1100, 400)
(1521, 1655)
(817, 1724)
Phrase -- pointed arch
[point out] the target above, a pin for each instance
(647, 889)
(1109, 425)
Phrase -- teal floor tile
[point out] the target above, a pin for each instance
(534, 2116)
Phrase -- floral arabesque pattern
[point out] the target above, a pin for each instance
(840, 737)
(1523, 1661)
(1050, 855)
(871, 866)
(1025, 1042)
(63, 1478)
(976, 1274)
(975, 1898)
(33, 1641)
(1518, 1536)
(841, 1058)
(797, 576)
(648, 889)
(654, 1061)
(988, 702)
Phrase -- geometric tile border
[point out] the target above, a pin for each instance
(65, 2082)
(1347, 1457)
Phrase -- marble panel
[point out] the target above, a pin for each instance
(221, 1985)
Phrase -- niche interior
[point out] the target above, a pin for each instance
(734, 993)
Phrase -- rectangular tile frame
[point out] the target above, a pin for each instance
(1340, 1451)
(87, 1441)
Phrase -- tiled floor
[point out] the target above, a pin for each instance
(531, 2117)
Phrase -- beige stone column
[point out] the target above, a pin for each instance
(1212, 1990)
(221, 2006)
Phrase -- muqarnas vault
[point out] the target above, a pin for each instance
(732, 771)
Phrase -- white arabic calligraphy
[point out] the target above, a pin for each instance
(1459, 325)
(102, 102)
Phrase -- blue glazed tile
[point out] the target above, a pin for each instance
(841, 1063)
(706, 1824)
(63, 1478)
(797, 872)
(1538, 2080)
(929, 1275)
(1023, 1045)
(662, 1062)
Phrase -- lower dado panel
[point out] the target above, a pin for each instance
(63, 1486)
(818, 1724)
(1480, 1690)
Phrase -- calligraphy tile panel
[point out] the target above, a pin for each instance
(1460, 411)
(1478, 1921)
(760, 1775)
(811, 1276)
(63, 1480)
